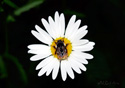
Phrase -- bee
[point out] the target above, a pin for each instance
(61, 50)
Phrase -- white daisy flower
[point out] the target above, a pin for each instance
(63, 48)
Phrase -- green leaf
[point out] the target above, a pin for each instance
(10, 18)
(28, 7)
(3, 71)
(1, 9)
(23, 75)
(71, 12)
(11, 4)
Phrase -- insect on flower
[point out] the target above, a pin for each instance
(63, 48)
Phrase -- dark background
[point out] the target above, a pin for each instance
(106, 25)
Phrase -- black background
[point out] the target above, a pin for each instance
(105, 20)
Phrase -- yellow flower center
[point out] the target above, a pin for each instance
(61, 48)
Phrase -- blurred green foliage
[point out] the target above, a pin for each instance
(6, 56)
(3, 72)
(1, 9)
(28, 7)
(11, 4)
(10, 18)
(19, 66)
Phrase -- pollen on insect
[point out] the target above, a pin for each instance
(61, 48)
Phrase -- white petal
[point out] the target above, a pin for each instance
(38, 57)
(80, 33)
(74, 66)
(43, 70)
(86, 47)
(58, 28)
(39, 49)
(52, 64)
(80, 65)
(47, 27)
(70, 24)
(80, 42)
(40, 37)
(87, 56)
(62, 24)
(79, 36)
(69, 70)
(56, 17)
(38, 46)
(44, 34)
(79, 57)
(55, 69)
(44, 62)
(63, 70)
(57, 20)
(53, 28)
(39, 52)
(73, 30)
(81, 30)
(81, 60)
